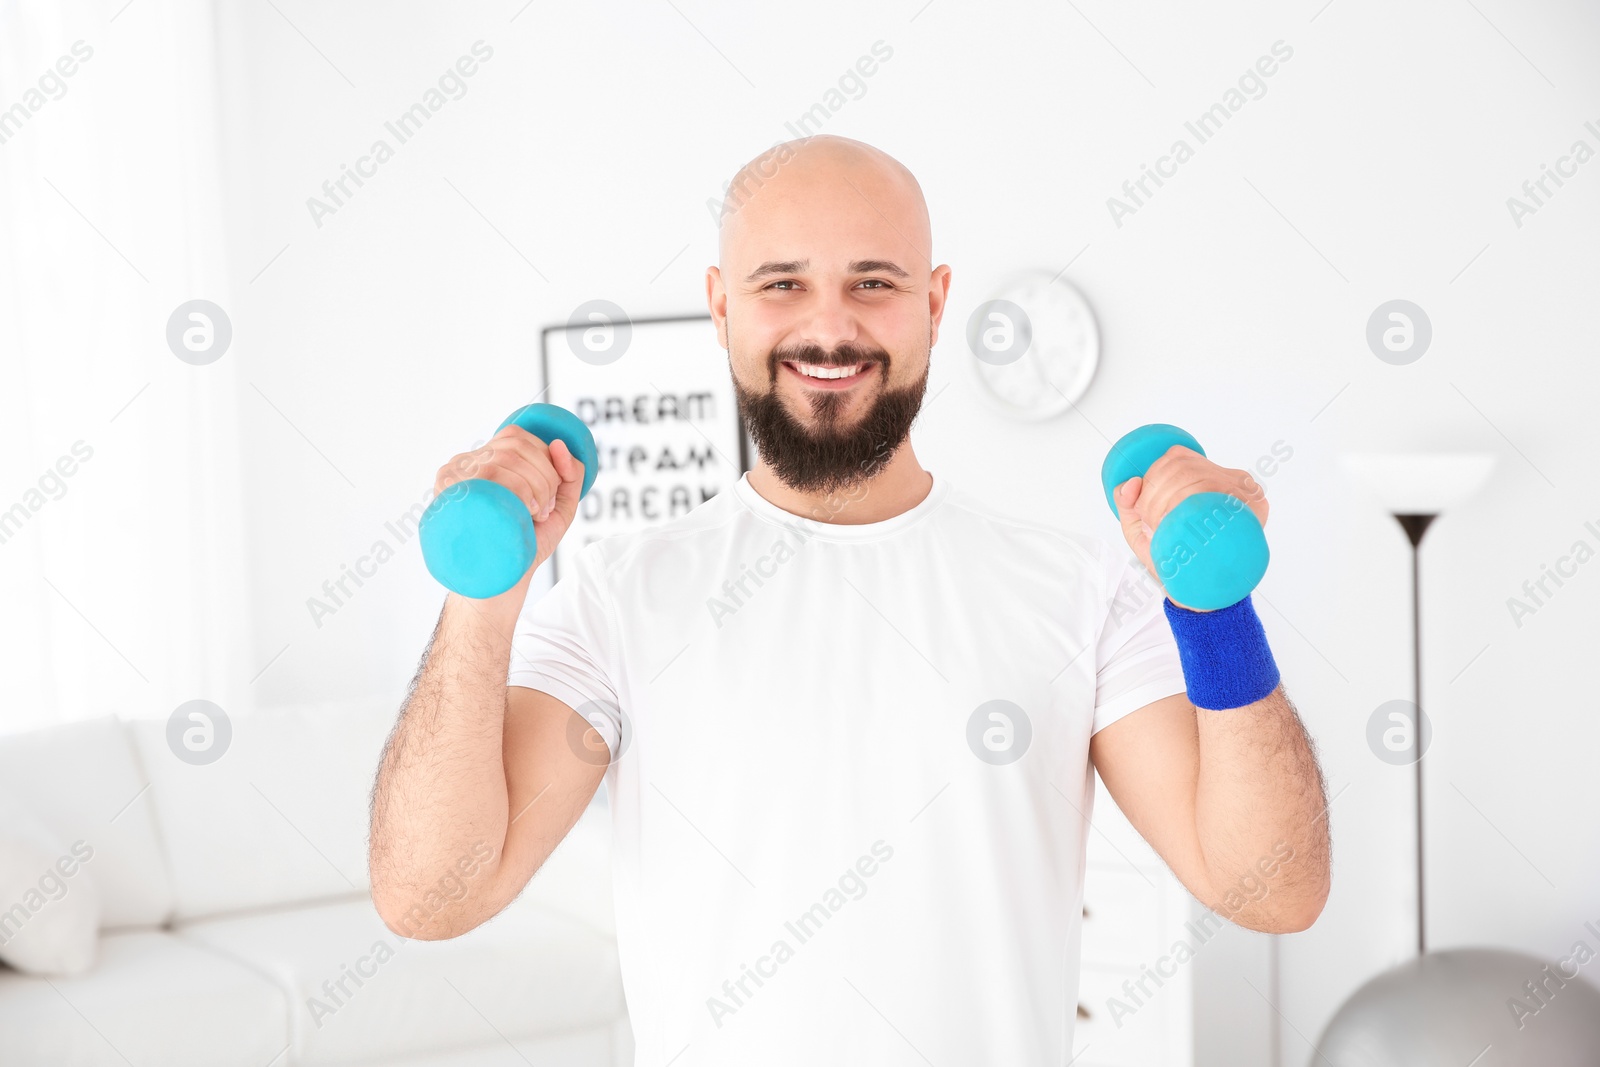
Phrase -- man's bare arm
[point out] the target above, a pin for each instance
(478, 784)
(1233, 801)
(478, 781)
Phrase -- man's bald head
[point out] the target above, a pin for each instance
(821, 175)
(827, 300)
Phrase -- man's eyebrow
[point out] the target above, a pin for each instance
(788, 266)
(877, 266)
(800, 266)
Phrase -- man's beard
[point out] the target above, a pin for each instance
(834, 455)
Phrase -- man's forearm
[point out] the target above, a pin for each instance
(439, 806)
(1261, 816)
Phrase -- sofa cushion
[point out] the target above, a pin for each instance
(151, 1000)
(84, 783)
(49, 908)
(280, 817)
(602, 1045)
(360, 992)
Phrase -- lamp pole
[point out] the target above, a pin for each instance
(1415, 525)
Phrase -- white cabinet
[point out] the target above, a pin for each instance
(1135, 994)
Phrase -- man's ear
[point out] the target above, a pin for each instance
(717, 304)
(938, 293)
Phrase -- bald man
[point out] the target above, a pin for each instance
(847, 712)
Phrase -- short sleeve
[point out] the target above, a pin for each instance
(564, 645)
(1136, 658)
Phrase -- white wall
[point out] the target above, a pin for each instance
(1376, 166)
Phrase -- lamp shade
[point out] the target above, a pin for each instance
(1419, 483)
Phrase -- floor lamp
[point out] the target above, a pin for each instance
(1454, 1007)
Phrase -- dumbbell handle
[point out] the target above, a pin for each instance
(550, 422)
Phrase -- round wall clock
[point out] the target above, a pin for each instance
(1035, 346)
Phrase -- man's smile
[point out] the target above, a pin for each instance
(817, 376)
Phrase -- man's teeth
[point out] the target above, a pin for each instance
(811, 371)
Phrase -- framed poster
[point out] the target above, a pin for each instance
(658, 397)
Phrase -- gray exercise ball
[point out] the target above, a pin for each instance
(1445, 1008)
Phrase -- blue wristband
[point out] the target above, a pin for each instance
(1226, 661)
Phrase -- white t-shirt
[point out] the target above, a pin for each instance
(851, 799)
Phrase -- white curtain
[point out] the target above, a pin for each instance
(123, 557)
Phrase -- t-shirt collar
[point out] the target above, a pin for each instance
(837, 531)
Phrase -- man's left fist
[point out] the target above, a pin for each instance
(1181, 472)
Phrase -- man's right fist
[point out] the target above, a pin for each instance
(547, 478)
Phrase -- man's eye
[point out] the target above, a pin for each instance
(876, 283)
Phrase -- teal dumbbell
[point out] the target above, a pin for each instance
(1209, 550)
(477, 536)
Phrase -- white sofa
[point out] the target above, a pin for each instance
(233, 906)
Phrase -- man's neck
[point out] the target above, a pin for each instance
(894, 488)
